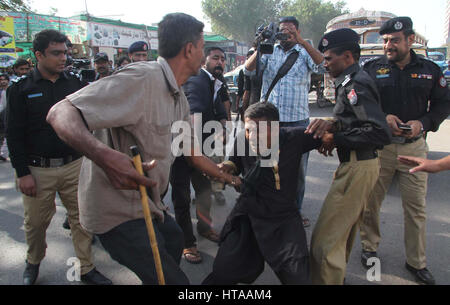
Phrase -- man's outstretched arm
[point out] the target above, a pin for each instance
(426, 165)
(68, 124)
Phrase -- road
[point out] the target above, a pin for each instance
(320, 171)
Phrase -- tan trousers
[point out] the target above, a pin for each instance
(335, 230)
(413, 189)
(39, 212)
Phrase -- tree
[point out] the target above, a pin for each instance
(15, 5)
(239, 19)
(313, 15)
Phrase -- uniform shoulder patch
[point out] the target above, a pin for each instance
(352, 97)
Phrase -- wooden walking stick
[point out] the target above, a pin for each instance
(148, 219)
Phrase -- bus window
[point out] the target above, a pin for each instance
(373, 37)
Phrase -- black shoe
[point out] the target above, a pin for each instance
(423, 275)
(66, 224)
(30, 274)
(365, 255)
(219, 198)
(94, 277)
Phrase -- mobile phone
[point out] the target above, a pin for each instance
(404, 127)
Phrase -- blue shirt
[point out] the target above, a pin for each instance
(290, 94)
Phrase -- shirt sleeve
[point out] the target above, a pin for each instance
(370, 129)
(116, 100)
(439, 103)
(16, 118)
(305, 141)
(312, 66)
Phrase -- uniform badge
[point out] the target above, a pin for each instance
(325, 42)
(346, 80)
(398, 26)
(352, 97)
(443, 82)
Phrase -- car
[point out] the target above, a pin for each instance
(439, 59)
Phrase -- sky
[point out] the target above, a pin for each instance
(428, 16)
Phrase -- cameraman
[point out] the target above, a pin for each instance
(290, 94)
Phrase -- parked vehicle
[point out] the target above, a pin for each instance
(439, 59)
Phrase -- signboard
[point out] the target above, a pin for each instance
(105, 35)
(26, 26)
(7, 42)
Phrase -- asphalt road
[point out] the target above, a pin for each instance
(320, 171)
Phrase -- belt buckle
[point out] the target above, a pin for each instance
(56, 162)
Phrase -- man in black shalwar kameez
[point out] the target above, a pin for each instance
(265, 224)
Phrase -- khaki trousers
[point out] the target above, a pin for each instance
(335, 231)
(39, 212)
(413, 189)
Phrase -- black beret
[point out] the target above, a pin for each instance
(338, 38)
(138, 46)
(396, 24)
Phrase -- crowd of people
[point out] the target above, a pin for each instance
(71, 137)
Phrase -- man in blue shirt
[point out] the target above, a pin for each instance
(290, 94)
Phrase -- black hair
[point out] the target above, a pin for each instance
(20, 62)
(175, 31)
(355, 49)
(122, 59)
(69, 44)
(262, 110)
(43, 39)
(290, 19)
(5, 75)
(210, 49)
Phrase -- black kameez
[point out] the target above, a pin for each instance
(265, 224)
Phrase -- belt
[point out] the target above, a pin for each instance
(51, 162)
(361, 154)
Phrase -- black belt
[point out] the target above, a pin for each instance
(52, 162)
(361, 154)
(403, 140)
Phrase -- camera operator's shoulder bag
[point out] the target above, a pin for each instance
(284, 69)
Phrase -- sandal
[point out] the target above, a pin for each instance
(211, 235)
(192, 255)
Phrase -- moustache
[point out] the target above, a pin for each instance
(219, 68)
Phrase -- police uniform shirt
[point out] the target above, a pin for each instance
(360, 121)
(28, 133)
(406, 93)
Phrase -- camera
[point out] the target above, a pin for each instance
(267, 36)
(82, 67)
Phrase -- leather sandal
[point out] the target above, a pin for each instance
(192, 255)
(211, 235)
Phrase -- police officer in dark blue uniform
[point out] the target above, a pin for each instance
(360, 129)
(415, 100)
(44, 164)
(138, 51)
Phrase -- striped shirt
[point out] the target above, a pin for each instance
(290, 94)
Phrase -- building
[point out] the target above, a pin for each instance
(367, 24)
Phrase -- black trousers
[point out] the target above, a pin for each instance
(240, 260)
(180, 178)
(129, 245)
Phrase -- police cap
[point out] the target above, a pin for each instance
(338, 38)
(396, 24)
(138, 46)
(101, 56)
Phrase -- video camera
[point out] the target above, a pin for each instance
(82, 67)
(267, 36)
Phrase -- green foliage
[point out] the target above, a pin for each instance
(15, 5)
(239, 19)
(313, 16)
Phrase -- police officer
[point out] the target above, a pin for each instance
(44, 164)
(359, 130)
(408, 86)
(138, 51)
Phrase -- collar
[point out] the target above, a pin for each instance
(37, 76)
(209, 74)
(170, 77)
(346, 74)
